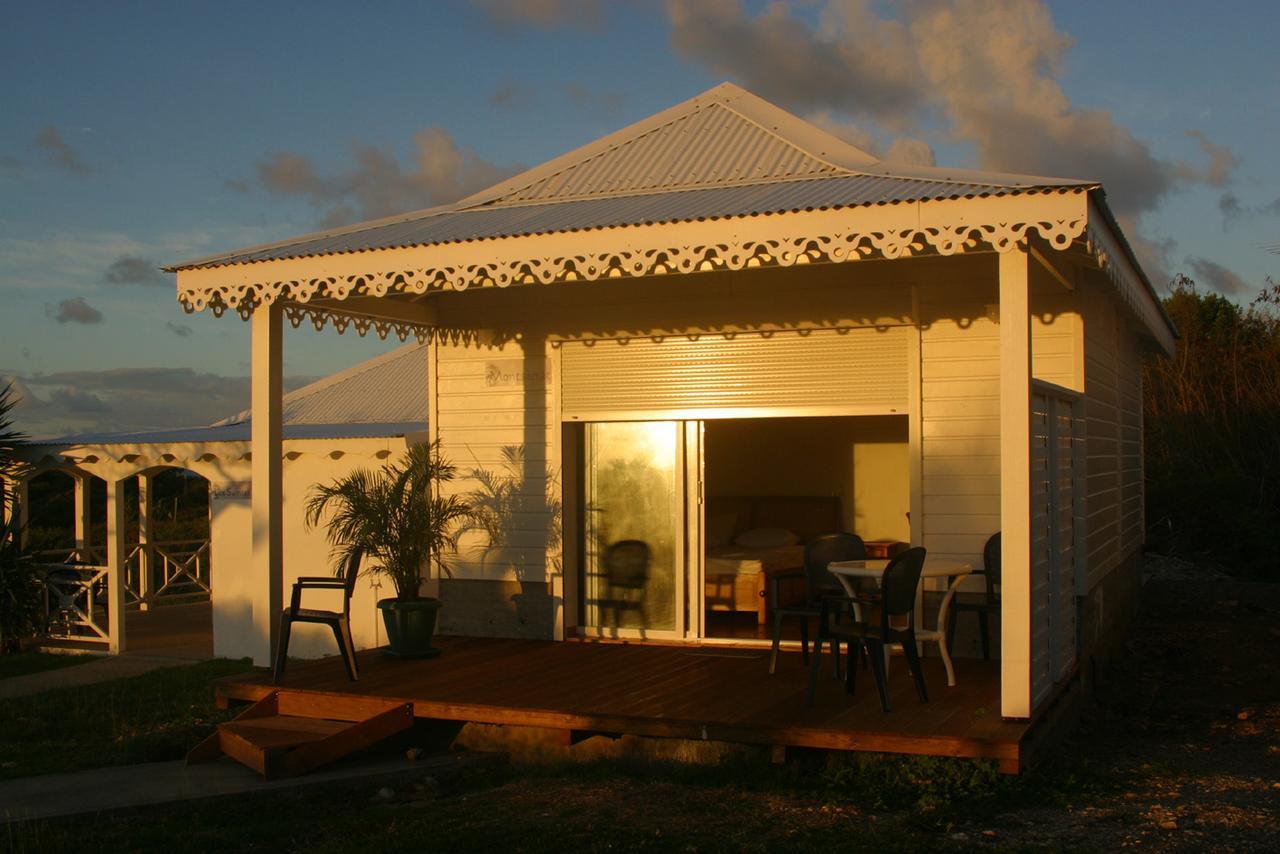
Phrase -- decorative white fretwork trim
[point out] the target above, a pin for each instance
(320, 317)
(783, 240)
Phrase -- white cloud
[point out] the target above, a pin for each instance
(136, 270)
(1214, 275)
(984, 72)
(60, 154)
(377, 184)
(74, 310)
(76, 259)
(75, 402)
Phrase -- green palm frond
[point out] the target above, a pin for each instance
(11, 439)
(395, 515)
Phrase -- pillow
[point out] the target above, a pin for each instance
(765, 538)
(720, 529)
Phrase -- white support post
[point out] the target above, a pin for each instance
(146, 568)
(116, 581)
(1015, 485)
(267, 551)
(915, 425)
(83, 518)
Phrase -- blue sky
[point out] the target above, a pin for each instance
(134, 134)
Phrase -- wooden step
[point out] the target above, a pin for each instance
(283, 735)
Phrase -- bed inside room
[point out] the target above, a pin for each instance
(772, 484)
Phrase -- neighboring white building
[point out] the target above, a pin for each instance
(359, 417)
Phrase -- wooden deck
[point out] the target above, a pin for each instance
(701, 693)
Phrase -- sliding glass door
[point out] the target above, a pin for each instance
(634, 529)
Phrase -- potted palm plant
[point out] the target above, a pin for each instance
(398, 518)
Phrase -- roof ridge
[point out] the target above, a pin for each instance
(614, 147)
(589, 158)
(818, 156)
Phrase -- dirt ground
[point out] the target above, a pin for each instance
(1188, 729)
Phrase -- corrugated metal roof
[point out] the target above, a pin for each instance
(612, 212)
(725, 153)
(383, 396)
(238, 432)
(711, 145)
(388, 389)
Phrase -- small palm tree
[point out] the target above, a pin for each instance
(11, 440)
(21, 608)
(395, 514)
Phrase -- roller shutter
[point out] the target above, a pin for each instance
(863, 370)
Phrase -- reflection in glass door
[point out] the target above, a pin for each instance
(633, 528)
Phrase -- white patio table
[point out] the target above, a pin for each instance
(847, 572)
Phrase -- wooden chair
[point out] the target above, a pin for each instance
(988, 604)
(818, 583)
(897, 601)
(338, 621)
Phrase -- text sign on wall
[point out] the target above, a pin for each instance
(515, 373)
(240, 490)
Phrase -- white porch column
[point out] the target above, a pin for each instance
(1015, 485)
(117, 583)
(267, 557)
(146, 569)
(83, 517)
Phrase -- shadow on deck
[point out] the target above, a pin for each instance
(700, 693)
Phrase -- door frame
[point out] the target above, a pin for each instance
(682, 550)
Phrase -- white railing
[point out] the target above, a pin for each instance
(168, 571)
(76, 601)
(75, 554)
(75, 584)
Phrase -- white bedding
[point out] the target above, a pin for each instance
(736, 560)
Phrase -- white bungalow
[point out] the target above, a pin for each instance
(722, 306)
(356, 418)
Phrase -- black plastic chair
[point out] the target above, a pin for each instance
(338, 621)
(818, 583)
(626, 570)
(988, 604)
(897, 601)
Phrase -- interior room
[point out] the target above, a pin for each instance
(774, 483)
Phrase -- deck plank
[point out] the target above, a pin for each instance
(672, 691)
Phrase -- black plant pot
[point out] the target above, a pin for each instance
(411, 623)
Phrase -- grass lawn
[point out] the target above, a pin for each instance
(156, 716)
(24, 663)
(869, 804)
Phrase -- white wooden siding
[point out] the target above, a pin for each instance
(1113, 414)
(1129, 388)
(960, 425)
(478, 416)
(1054, 346)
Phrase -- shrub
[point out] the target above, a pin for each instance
(21, 606)
(1212, 423)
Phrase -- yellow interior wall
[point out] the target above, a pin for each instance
(863, 460)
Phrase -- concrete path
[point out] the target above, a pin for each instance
(130, 786)
(100, 669)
